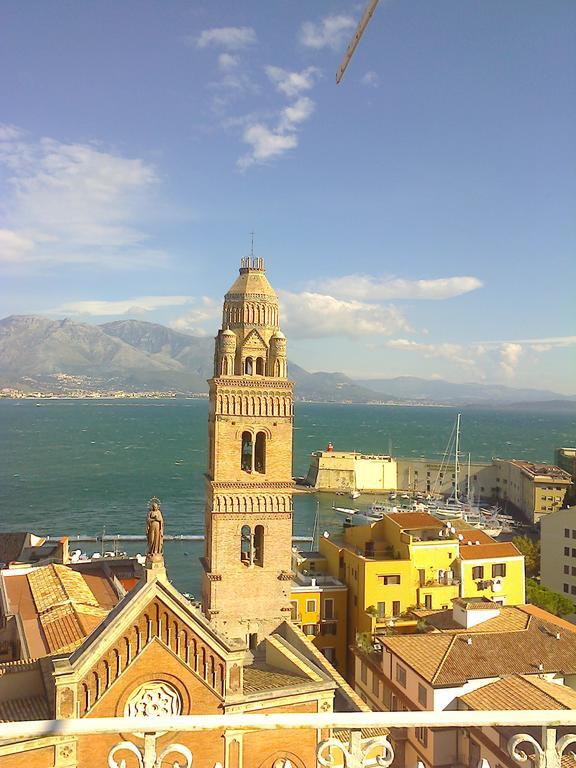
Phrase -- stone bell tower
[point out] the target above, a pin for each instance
(248, 515)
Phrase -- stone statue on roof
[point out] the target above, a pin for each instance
(155, 529)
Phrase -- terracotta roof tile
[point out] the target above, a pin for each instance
(447, 658)
(475, 604)
(521, 692)
(471, 534)
(27, 708)
(484, 551)
(540, 613)
(414, 520)
(510, 618)
(262, 677)
(343, 734)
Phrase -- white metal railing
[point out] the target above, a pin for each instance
(357, 752)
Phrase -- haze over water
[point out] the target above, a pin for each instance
(76, 466)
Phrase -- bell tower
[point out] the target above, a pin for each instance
(248, 514)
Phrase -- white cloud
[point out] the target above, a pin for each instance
(550, 342)
(509, 355)
(103, 308)
(227, 62)
(229, 38)
(371, 79)
(330, 32)
(73, 203)
(384, 288)
(14, 246)
(315, 315)
(265, 144)
(296, 113)
(486, 359)
(207, 311)
(456, 353)
(292, 84)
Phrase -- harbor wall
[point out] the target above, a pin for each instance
(532, 490)
(342, 471)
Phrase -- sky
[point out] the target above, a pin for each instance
(417, 219)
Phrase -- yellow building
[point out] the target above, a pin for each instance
(409, 560)
(535, 489)
(319, 606)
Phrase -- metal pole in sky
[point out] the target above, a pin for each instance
(362, 24)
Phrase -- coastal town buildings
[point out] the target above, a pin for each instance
(94, 640)
(531, 489)
(475, 655)
(412, 560)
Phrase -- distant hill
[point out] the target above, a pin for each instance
(194, 353)
(37, 353)
(446, 392)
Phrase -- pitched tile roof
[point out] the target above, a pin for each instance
(447, 658)
(67, 609)
(26, 708)
(471, 534)
(521, 692)
(488, 551)
(509, 618)
(534, 610)
(343, 734)
(262, 677)
(476, 603)
(414, 520)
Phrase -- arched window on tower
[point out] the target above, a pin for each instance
(246, 545)
(246, 458)
(260, 453)
(260, 366)
(259, 545)
(248, 366)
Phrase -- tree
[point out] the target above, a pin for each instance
(530, 548)
(553, 602)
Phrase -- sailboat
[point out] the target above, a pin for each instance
(456, 508)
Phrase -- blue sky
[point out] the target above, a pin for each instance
(417, 219)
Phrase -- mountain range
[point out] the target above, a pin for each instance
(39, 354)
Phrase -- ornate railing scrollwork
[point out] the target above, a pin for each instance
(548, 755)
(376, 752)
(147, 757)
(519, 755)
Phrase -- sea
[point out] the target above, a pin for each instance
(90, 466)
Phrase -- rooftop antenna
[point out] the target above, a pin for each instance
(252, 244)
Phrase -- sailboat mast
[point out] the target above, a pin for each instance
(468, 481)
(457, 457)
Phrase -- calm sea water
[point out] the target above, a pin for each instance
(79, 466)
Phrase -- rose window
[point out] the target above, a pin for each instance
(154, 699)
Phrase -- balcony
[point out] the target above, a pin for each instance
(539, 739)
